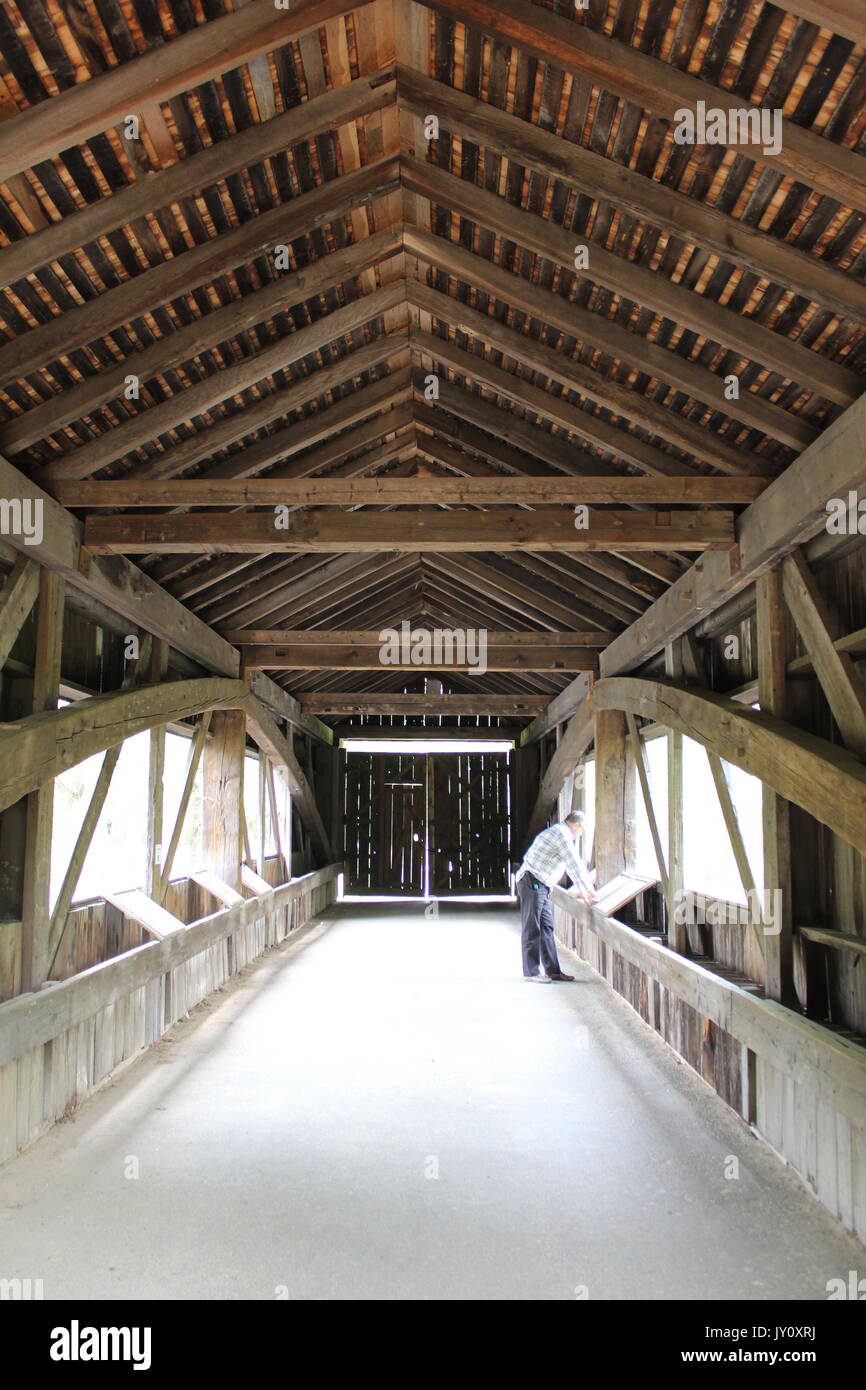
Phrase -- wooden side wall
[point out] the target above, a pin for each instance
(46, 1082)
(799, 1115)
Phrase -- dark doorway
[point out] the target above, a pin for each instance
(427, 824)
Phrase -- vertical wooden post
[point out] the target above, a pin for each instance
(776, 811)
(263, 814)
(223, 793)
(677, 934)
(614, 796)
(155, 781)
(35, 917)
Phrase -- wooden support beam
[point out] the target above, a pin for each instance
(636, 282)
(434, 654)
(196, 749)
(678, 938)
(640, 760)
(373, 637)
(776, 813)
(505, 529)
(347, 103)
(155, 780)
(434, 706)
(530, 146)
(35, 913)
(574, 742)
(119, 585)
(604, 392)
(614, 796)
(231, 381)
(413, 491)
(834, 668)
(804, 155)
(47, 129)
(16, 601)
(791, 511)
(202, 335)
(405, 733)
(222, 794)
(272, 743)
(561, 707)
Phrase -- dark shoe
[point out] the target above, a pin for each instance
(558, 975)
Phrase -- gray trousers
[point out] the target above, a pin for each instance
(537, 938)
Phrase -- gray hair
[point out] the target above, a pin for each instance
(575, 818)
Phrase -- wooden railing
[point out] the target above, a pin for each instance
(60, 1043)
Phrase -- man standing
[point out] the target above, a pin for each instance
(551, 853)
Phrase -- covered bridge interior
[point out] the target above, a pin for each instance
(485, 374)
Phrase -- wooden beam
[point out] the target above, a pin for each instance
(827, 781)
(358, 638)
(231, 381)
(839, 16)
(614, 796)
(155, 780)
(222, 794)
(16, 602)
(119, 585)
(574, 742)
(330, 111)
(506, 529)
(35, 910)
(779, 952)
(203, 335)
(272, 743)
(404, 734)
(602, 391)
(834, 668)
(804, 155)
(346, 657)
(413, 491)
(196, 748)
(34, 750)
(638, 283)
(640, 760)
(561, 707)
(529, 146)
(380, 703)
(47, 129)
(791, 511)
(610, 337)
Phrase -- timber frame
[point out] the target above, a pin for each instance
(389, 315)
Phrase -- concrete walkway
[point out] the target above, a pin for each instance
(385, 1110)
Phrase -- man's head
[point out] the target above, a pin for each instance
(575, 822)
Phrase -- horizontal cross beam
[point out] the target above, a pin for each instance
(512, 529)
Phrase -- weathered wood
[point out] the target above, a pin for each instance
(346, 657)
(791, 511)
(825, 936)
(386, 703)
(636, 282)
(155, 782)
(196, 749)
(138, 907)
(571, 747)
(270, 741)
(816, 1058)
(804, 155)
(119, 585)
(315, 637)
(170, 68)
(825, 780)
(30, 1020)
(415, 491)
(403, 734)
(222, 794)
(502, 530)
(222, 891)
(35, 911)
(34, 750)
(530, 146)
(561, 707)
(346, 103)
(592, 385)
(614, 796)
(834, 668)
(16, 601)
(640, 759)
(775, 813)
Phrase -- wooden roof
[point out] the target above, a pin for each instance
(150, 249)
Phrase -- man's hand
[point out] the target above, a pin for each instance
(590, 896)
